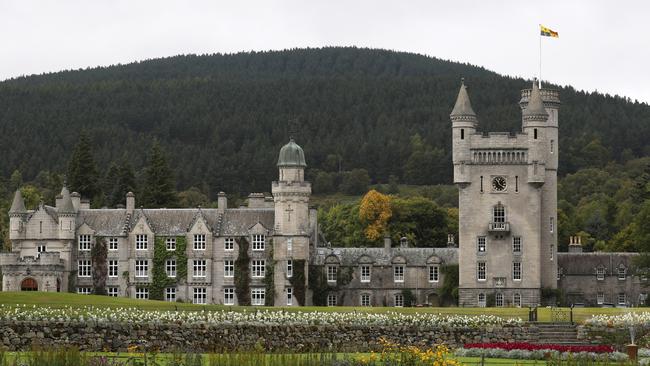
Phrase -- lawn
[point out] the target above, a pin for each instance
(57, 300)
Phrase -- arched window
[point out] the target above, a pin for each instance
(499, 214)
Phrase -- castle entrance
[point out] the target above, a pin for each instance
(29, 284)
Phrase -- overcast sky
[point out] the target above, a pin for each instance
(603, 45)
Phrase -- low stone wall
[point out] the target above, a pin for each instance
(615, 336)
(91, 336)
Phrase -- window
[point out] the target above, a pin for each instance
(289, 268)
(600, 273)
(600, 298)
(170, 294)
(229, 268)
(365, 273)
(84, 242)
(113, 244)
(332, 300)
(516, 244)
(481, 300)
(516, 271)
(559, 273)
(199, 241)
(498, 300)
(83, 268)
(551, 224)
(141, 267)
(365, 300)
(257, 296)
(83, 290)
(552, 146)
(516, 299)
(199, 267)
(289, 296)
(112, 268)
(481, 271)
(142, 293)
(535, 134)
(398, 273)
(229, 296)
(141, 242)
(331, 273)
(200, 295)
(289, 244)
(112, 291)
(170, 244)
(516, 184)
(434, 273)
(42, 248)
(622, 300)
(481, 244)
(170, 268)
(258, 268)
(229, 244)
(481, 184)
(621, 273)
(499, 214)
(259, 242)
(399, 300)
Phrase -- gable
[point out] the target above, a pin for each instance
(41, 225)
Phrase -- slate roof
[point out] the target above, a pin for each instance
(380, 256)
(586, 263)
(105, 222)
(238, 221)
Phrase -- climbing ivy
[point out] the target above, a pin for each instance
(242, 273)
(298, 281)
(320, 287)
(159, 273)
(449, 289)
(100, 268)
(72, 281)
(269, 280)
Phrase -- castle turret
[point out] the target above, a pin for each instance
(67, 213)
(464, 123)
(534, 117)
(17, 214)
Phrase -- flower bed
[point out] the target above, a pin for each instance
(537, 347)
(541, 354)
(623, 320)
(254, 317)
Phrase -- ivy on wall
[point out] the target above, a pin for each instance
(242, 273)
(321, 288)
(160, 280)
(269, 279)
(298, 281)
(98, 255)
(72, 281)
(449, 289)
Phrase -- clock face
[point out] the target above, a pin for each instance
(499, 184)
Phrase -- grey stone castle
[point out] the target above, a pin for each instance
(506, 252)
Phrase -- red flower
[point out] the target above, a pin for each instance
(535, 347)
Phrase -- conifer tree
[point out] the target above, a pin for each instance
(159, 187)
(119, 181)
(83, 176)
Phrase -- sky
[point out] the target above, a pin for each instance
(603, 45)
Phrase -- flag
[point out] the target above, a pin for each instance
(546, 32)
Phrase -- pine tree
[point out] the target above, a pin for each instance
(119, 181)
(83, 176)
(159, 187)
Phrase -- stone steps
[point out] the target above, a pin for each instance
(557, 333)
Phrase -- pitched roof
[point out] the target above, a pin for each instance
(535, 105)
(463, 106)
(66, 202)
(237, 221)
(380, 256)
(586, 263)
(105, 222)
(18, 204)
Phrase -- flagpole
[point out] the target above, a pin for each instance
(540, 56)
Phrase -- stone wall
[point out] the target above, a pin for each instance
(93, 336)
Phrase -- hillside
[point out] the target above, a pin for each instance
(222, 118)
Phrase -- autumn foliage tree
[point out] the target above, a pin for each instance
(374, 212)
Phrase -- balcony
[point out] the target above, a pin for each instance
(499, 227)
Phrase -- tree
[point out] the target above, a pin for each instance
(420, 220)
(192, 197)
(375, 212)
(83, 176)
(159, 188)
(355, 181)
(120, 181)
(16, 180)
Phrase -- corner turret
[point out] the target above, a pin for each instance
(17, 214)
(464, 123)
(67, 215)
(18, 204)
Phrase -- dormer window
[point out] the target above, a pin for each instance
(600, 273)
(199, 242)
(621, 273)
(84, 242)
(259, 242)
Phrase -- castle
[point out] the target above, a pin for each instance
(264, 254)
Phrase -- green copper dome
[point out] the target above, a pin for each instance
(291, 154)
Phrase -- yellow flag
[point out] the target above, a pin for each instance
(547, 32)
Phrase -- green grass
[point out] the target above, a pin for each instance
(57, 300)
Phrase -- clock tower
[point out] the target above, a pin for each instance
(507, 186)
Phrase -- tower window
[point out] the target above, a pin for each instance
(499, 214)
(462, 134)
(481, 184)
(535, 134)
(551, 224)
(480, 244)
(552, 147)
(516, 184)
(481, 271)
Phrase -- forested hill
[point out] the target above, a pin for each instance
(222, 118)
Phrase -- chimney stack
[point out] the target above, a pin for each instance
(130, 203)
(256, 200)
(451, 242)
(222, 201)
(76, 200)
(387, 243)
(575, 244)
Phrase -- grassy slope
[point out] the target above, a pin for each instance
(52, 299)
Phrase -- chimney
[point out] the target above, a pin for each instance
(59, 201)
(387, 243)
(76, 200)
(575, 244)
(268, 202)
(84, 204)
(451, 243)
(256, 200)
(222, 201)
(130, 203)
